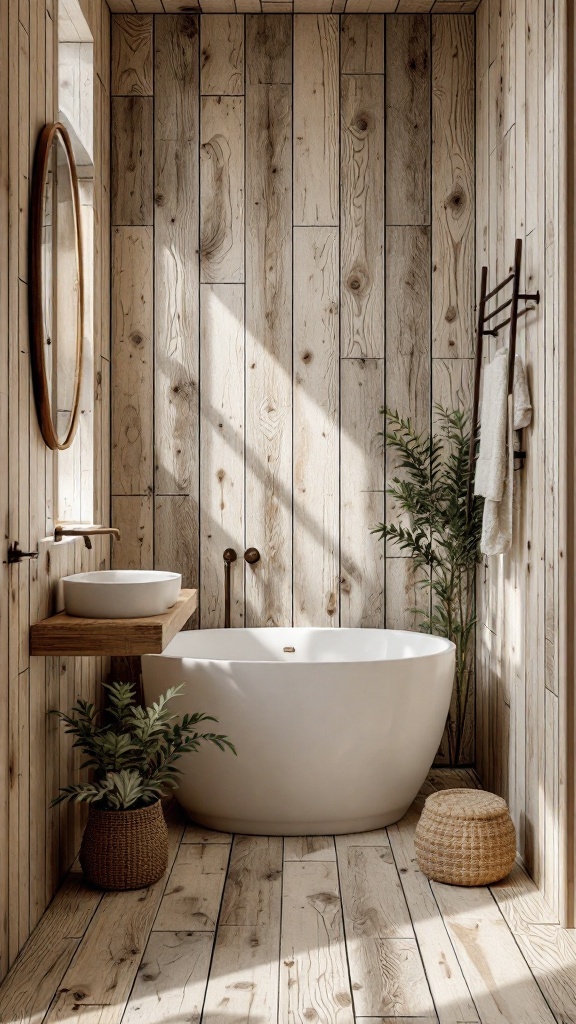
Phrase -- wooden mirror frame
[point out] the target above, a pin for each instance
(36, 298)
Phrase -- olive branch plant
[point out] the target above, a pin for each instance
(132, 750)
(430, 487)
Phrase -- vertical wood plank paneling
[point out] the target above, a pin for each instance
(222, 55)
(452, 184)
(39, 594)
(132, 326)
(316, 64)
(453, 223)
(534, 331)
(268, 50)
(11, 854)
(32, 845)
(269, 323)
(362, 44)
(176, 536)
(176, 225)
(221, 447)
(4, 490)
(408, 119)
(362, 216)
(319, 464)
(316, 391)
(135, 549)
(517, 197)
(19, 700)
(132, 159)
(131, 58)
(408, 365)
(222, 189)
(404, 593)
(361, 493)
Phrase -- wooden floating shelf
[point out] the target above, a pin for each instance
(64, 634)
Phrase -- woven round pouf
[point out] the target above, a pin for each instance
(465, 837)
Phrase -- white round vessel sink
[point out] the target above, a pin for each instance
(120, 593)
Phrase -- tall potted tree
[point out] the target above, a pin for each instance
(131, 752)
(442, 537)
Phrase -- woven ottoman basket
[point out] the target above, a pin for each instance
(465, 837)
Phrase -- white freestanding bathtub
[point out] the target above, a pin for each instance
(335, 729)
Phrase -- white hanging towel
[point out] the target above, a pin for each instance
(501, 416)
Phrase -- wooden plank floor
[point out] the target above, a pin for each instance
(303, 930)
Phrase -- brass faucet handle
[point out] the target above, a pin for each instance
(252, 555)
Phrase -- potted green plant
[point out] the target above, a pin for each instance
(131, 752)
(442, 537)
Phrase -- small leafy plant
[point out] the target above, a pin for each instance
(132, 750)
(441, 538)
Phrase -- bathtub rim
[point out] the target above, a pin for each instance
(449, 648)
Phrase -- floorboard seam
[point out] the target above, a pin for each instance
(344, 935)
(217, 927)
(558, 1016)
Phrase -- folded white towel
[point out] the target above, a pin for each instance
(497, 515)
(522, 403)
(491, 465)
(501, 418)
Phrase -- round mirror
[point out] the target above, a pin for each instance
(56, 287)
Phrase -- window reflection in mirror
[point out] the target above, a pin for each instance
(73, 469)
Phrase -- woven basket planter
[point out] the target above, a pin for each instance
(465, 837)
(125, 849)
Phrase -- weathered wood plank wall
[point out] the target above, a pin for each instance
(521, 702)
(37, 844)
(294, 249)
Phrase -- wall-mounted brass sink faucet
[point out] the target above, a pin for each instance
(86, 532)
(251, 556)
(16, 555)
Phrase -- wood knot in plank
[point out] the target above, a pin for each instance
(417, 64)
(189, 28)
(343, 998)
(358, 281)
(456, 201)
(324, 901)
(361, 125)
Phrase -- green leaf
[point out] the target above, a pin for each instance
(130, 750)
(429, 490)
